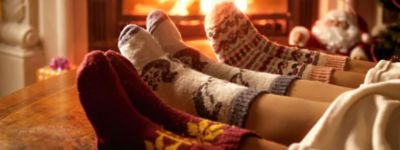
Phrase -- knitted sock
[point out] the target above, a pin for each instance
(148, 104)
(166, 33)
(237, 42)
(182, 87)
(117, 124)
(383, 71)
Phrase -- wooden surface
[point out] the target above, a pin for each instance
(46, 115)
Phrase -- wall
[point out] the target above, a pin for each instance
(60, 26)
(63, 28)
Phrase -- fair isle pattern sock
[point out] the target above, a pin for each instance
(148, 104)
(182, 87)
(117, 124)
(166, 33)
(237, 42)
(383, 71)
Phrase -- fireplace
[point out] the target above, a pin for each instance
(271, 17)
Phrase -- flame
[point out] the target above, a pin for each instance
(206, 5)
(181, 6)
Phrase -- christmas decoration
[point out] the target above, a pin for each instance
(339, 32)
(57, 66)
(387, 41)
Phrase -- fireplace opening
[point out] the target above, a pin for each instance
(272, 18)
(269, 16)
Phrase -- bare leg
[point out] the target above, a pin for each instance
(254, 143)
(347, 79)
(314, 90)
(359, 66)
(283, 119)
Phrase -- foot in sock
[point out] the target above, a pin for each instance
(197, 93)
(237, 42)
(168, 36)
(165, 32)
(148, 104)
(117, 124)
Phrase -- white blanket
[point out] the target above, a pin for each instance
(361, 119)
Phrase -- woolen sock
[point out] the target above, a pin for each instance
(166, 33)
(182, 87)
(383, 71)
(148, 104)
(237, 42)
(117, 124)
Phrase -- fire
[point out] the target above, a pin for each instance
(206, 5)
(181, 6)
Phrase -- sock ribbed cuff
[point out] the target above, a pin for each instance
(320, 73)
(233, 137)
(241, 105)
(336, 62)
(281, 85)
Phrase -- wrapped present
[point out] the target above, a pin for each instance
(56, 67)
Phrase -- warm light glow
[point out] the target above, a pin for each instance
(180, 7)
(241, 4)
(206, 5)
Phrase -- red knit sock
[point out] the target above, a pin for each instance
(117, 124)
(176, 121)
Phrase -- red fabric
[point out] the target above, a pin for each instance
(107, 107)
(313, 43)
(117, 124)
(154, 108)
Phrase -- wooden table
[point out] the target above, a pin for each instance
(46, 115)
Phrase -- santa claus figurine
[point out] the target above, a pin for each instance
(339, 32)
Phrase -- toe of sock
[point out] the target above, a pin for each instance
(92, 63)
(128, 31)
(218, 13)
(154, 18)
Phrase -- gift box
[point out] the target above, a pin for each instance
(57, 66)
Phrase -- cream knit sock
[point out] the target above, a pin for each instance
(237, 42)
(166, 33)
(383, 71)
(183, 87)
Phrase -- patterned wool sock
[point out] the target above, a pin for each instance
(117, 124)
(166, 33)
(383, 71)
(182, 87)
(148, 104)
(237, 42)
